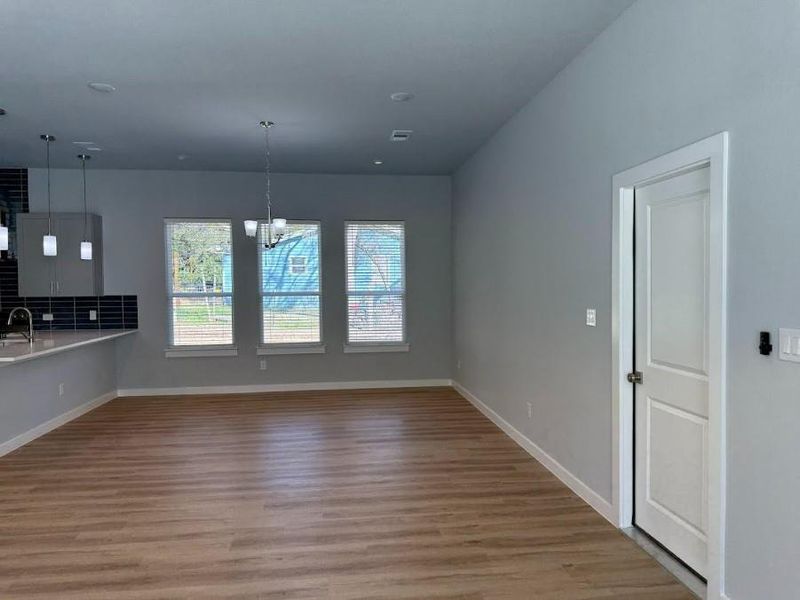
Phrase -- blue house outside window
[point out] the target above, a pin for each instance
(290, 286)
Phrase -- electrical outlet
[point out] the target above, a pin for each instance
(262, 364)
(458, 365)
(47, 316)
(60, 389)
(530, 410)
(591, 317)
(93, 315)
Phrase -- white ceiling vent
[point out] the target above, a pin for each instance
(400, 135)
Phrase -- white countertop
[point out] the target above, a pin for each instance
(51, 342)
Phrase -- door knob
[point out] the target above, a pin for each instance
(635, 377)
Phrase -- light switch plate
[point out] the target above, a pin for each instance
(789, 345)
(93, 315)
(47, 316)
(591, 317)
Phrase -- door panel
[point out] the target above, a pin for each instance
(36, 271)
(677, 472)
(678, 316)
(672, 327)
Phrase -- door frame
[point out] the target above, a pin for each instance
(712, 151)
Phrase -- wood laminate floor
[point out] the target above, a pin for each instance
(338, 495)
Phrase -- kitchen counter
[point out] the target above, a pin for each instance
(52, 342)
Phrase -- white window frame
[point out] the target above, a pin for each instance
(377, 346)
(264, 349)
(200, 350)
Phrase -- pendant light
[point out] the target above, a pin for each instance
(49, 242)
(86, 245)
(276, 228)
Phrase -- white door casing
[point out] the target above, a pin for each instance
(711, 151)
(671, 352)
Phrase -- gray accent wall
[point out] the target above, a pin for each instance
(532, 250)
(133, 205)
(29, 390)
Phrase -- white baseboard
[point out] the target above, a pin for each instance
(283, 387)
(40, 430)
(592, 498)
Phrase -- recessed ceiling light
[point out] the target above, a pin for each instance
(106, 88)
(377, 161)
(401, 96)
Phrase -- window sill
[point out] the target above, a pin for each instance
(200, 352)
(273, 350)
(361, 348)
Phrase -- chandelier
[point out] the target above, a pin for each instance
(275, 228)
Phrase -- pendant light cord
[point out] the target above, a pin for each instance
(49, 209)
(85, 208)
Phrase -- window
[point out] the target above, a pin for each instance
(375, 254)
(199, 283)
(297, 265)
(290, 286)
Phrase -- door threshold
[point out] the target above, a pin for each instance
(675, 567)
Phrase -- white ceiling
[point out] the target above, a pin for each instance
(194, 77)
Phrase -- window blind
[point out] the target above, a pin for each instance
(199, 282)
(375, 256)
(290, 286)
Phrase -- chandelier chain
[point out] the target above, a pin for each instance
(266, 138)
(273, 230)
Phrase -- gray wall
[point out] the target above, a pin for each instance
(29, 390)
(133, 205)
(537, 198)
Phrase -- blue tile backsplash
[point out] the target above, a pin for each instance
(113, 312)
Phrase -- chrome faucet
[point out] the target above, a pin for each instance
(14, 311)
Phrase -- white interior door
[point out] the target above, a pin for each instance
(672, 355)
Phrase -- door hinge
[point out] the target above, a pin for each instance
(635, 377)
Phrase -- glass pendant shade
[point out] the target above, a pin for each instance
(49, 245)
(86, 250)
(250, 228)
(3, 237)
(278, 229)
